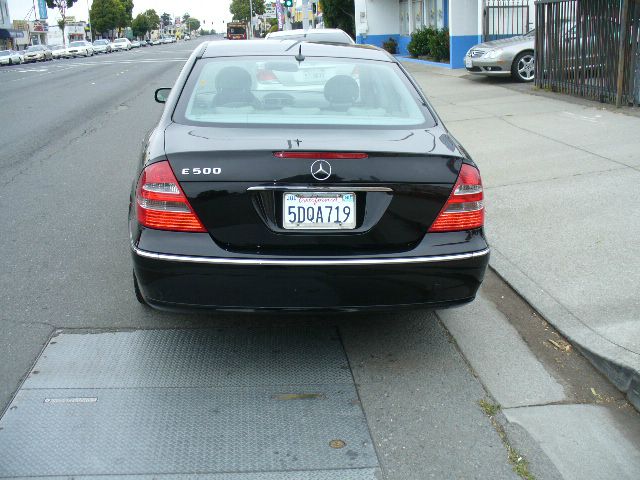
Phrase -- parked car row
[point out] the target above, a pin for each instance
(78, 48)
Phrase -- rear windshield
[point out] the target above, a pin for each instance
(317, 91)
(76, 44)
(100, 42)
(4, 53)
(120, 40)
(35, 48)
(236, 30)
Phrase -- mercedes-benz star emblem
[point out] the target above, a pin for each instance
(321, 170)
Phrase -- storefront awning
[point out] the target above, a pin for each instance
(11, 33)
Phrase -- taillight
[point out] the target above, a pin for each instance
(464, 209)
(161, 203)
(264, 76)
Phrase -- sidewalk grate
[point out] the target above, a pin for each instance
(226, 403)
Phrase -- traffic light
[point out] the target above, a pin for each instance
(288, 3)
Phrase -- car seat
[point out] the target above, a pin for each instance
(341, 91)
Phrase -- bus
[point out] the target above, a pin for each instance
(236, 31)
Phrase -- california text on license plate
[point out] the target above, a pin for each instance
(319, 210)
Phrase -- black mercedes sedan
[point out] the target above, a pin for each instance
(298, 176)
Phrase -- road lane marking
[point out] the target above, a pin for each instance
(68, 66)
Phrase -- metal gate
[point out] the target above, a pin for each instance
(589, 48)
(505, 18)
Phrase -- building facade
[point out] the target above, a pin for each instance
(30, 32)
(6, 31)
(468, 21)
(72, 31)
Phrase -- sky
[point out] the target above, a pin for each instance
(213, 12)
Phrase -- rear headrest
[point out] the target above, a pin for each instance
(341, 90)
(233, 78)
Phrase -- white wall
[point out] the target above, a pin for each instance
(54, 36)
(465, 17)
(381, 17)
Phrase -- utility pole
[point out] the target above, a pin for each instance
(251, 18)
(305, 14)
(89, 20)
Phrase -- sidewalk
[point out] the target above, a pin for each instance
(562, 183)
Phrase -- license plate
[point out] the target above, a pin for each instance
(313, 75)
(468, 62)
(319, 211)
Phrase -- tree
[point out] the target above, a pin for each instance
(240, 9)
(166, 19)
(185, 17)
(61, 6)
(339, 14)
(192, 23)
(125, 17)
(105, 15)
(140, 25)
(154, 19)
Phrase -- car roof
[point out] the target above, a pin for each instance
(246, 48)
(302, 31)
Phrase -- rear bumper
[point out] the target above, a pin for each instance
(182, 282)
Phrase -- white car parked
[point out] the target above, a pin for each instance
(10, 57)
(121, 44)
(80, 47)
(58, 51)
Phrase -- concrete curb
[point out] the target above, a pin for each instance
(619, 365)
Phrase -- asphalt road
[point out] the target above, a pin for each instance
(70, 135)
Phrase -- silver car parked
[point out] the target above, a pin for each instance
(102, 46)
(37, 53)
(505, 57)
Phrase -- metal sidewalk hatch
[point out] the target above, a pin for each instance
(236, 403)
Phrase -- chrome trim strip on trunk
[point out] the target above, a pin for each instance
(319, 189)
(309, 262)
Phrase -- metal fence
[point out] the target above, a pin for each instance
(589, 48)
(505, 18)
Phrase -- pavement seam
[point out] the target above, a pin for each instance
(564, 307)
(496, 424)
(555, 140)
(542, 180)
(364, 413)
(24, 377)
(581, 149)
(18, 322)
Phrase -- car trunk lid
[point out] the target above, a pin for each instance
(236, 184)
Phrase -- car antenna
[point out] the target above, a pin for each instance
(299, 56)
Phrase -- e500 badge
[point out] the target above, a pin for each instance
(201, 171)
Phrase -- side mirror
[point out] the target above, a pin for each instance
(162, 94)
